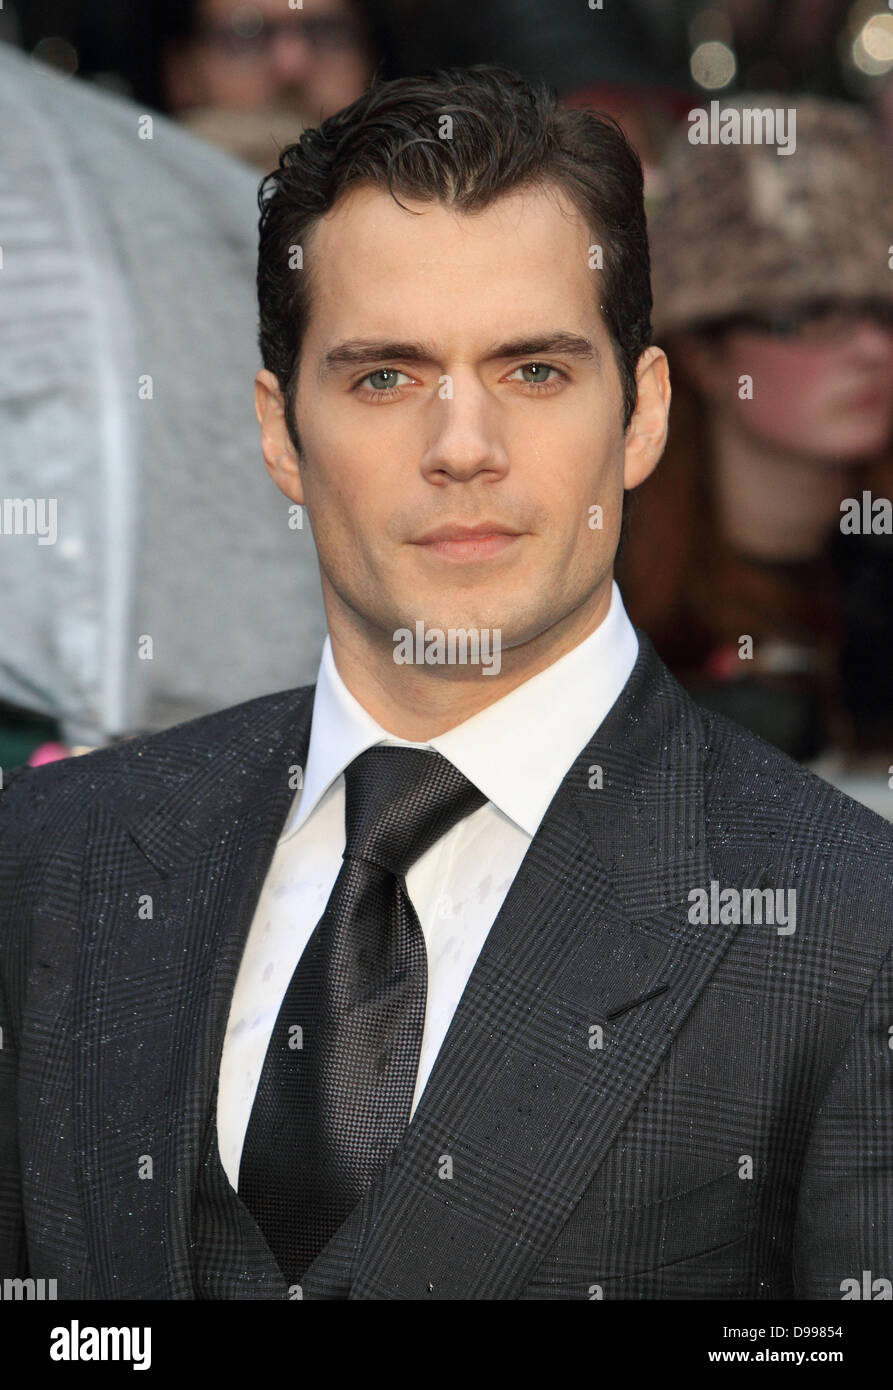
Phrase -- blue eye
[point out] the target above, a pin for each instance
(540, 373)
(385, 378)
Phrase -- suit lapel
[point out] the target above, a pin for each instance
(526, 1095)
(153, 993)
(589, 970)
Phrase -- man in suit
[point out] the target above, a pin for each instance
(510, 977)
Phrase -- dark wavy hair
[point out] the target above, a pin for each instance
(507, 133)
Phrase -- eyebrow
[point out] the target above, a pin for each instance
(353, 352)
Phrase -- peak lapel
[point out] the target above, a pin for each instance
(197, 854)
(526, 1095)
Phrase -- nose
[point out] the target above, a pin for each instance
(465, 438)
(871, 340)
(290, 54)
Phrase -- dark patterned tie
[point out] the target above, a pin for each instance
(335, 1093)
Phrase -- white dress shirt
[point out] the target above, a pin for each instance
(516, 751)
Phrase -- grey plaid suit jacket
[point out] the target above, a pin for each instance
(634, 1105)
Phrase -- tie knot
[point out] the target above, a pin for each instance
(399, 801)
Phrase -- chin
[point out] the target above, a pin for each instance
(852, 448)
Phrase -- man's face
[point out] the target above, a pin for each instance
(418, 404)
(310, 60)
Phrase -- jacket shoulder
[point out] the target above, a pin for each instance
(746, 775)
(751, 788)
(766, 812)
(47, 798)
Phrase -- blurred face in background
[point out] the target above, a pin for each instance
(310, 60)
(822, 382)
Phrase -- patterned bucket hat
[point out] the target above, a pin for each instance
(747, 228)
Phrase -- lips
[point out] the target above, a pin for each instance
(474, 546)
(458, 532)
(869, 397)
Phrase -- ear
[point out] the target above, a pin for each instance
(646, 434)
(276, 446)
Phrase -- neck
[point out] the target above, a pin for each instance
(772, 504)
(418, 702)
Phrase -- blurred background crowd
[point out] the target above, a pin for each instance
(759, 556)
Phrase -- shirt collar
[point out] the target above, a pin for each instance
(517, 751)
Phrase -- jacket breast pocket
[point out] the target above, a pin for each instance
(693, 1222)
(622, 1251)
